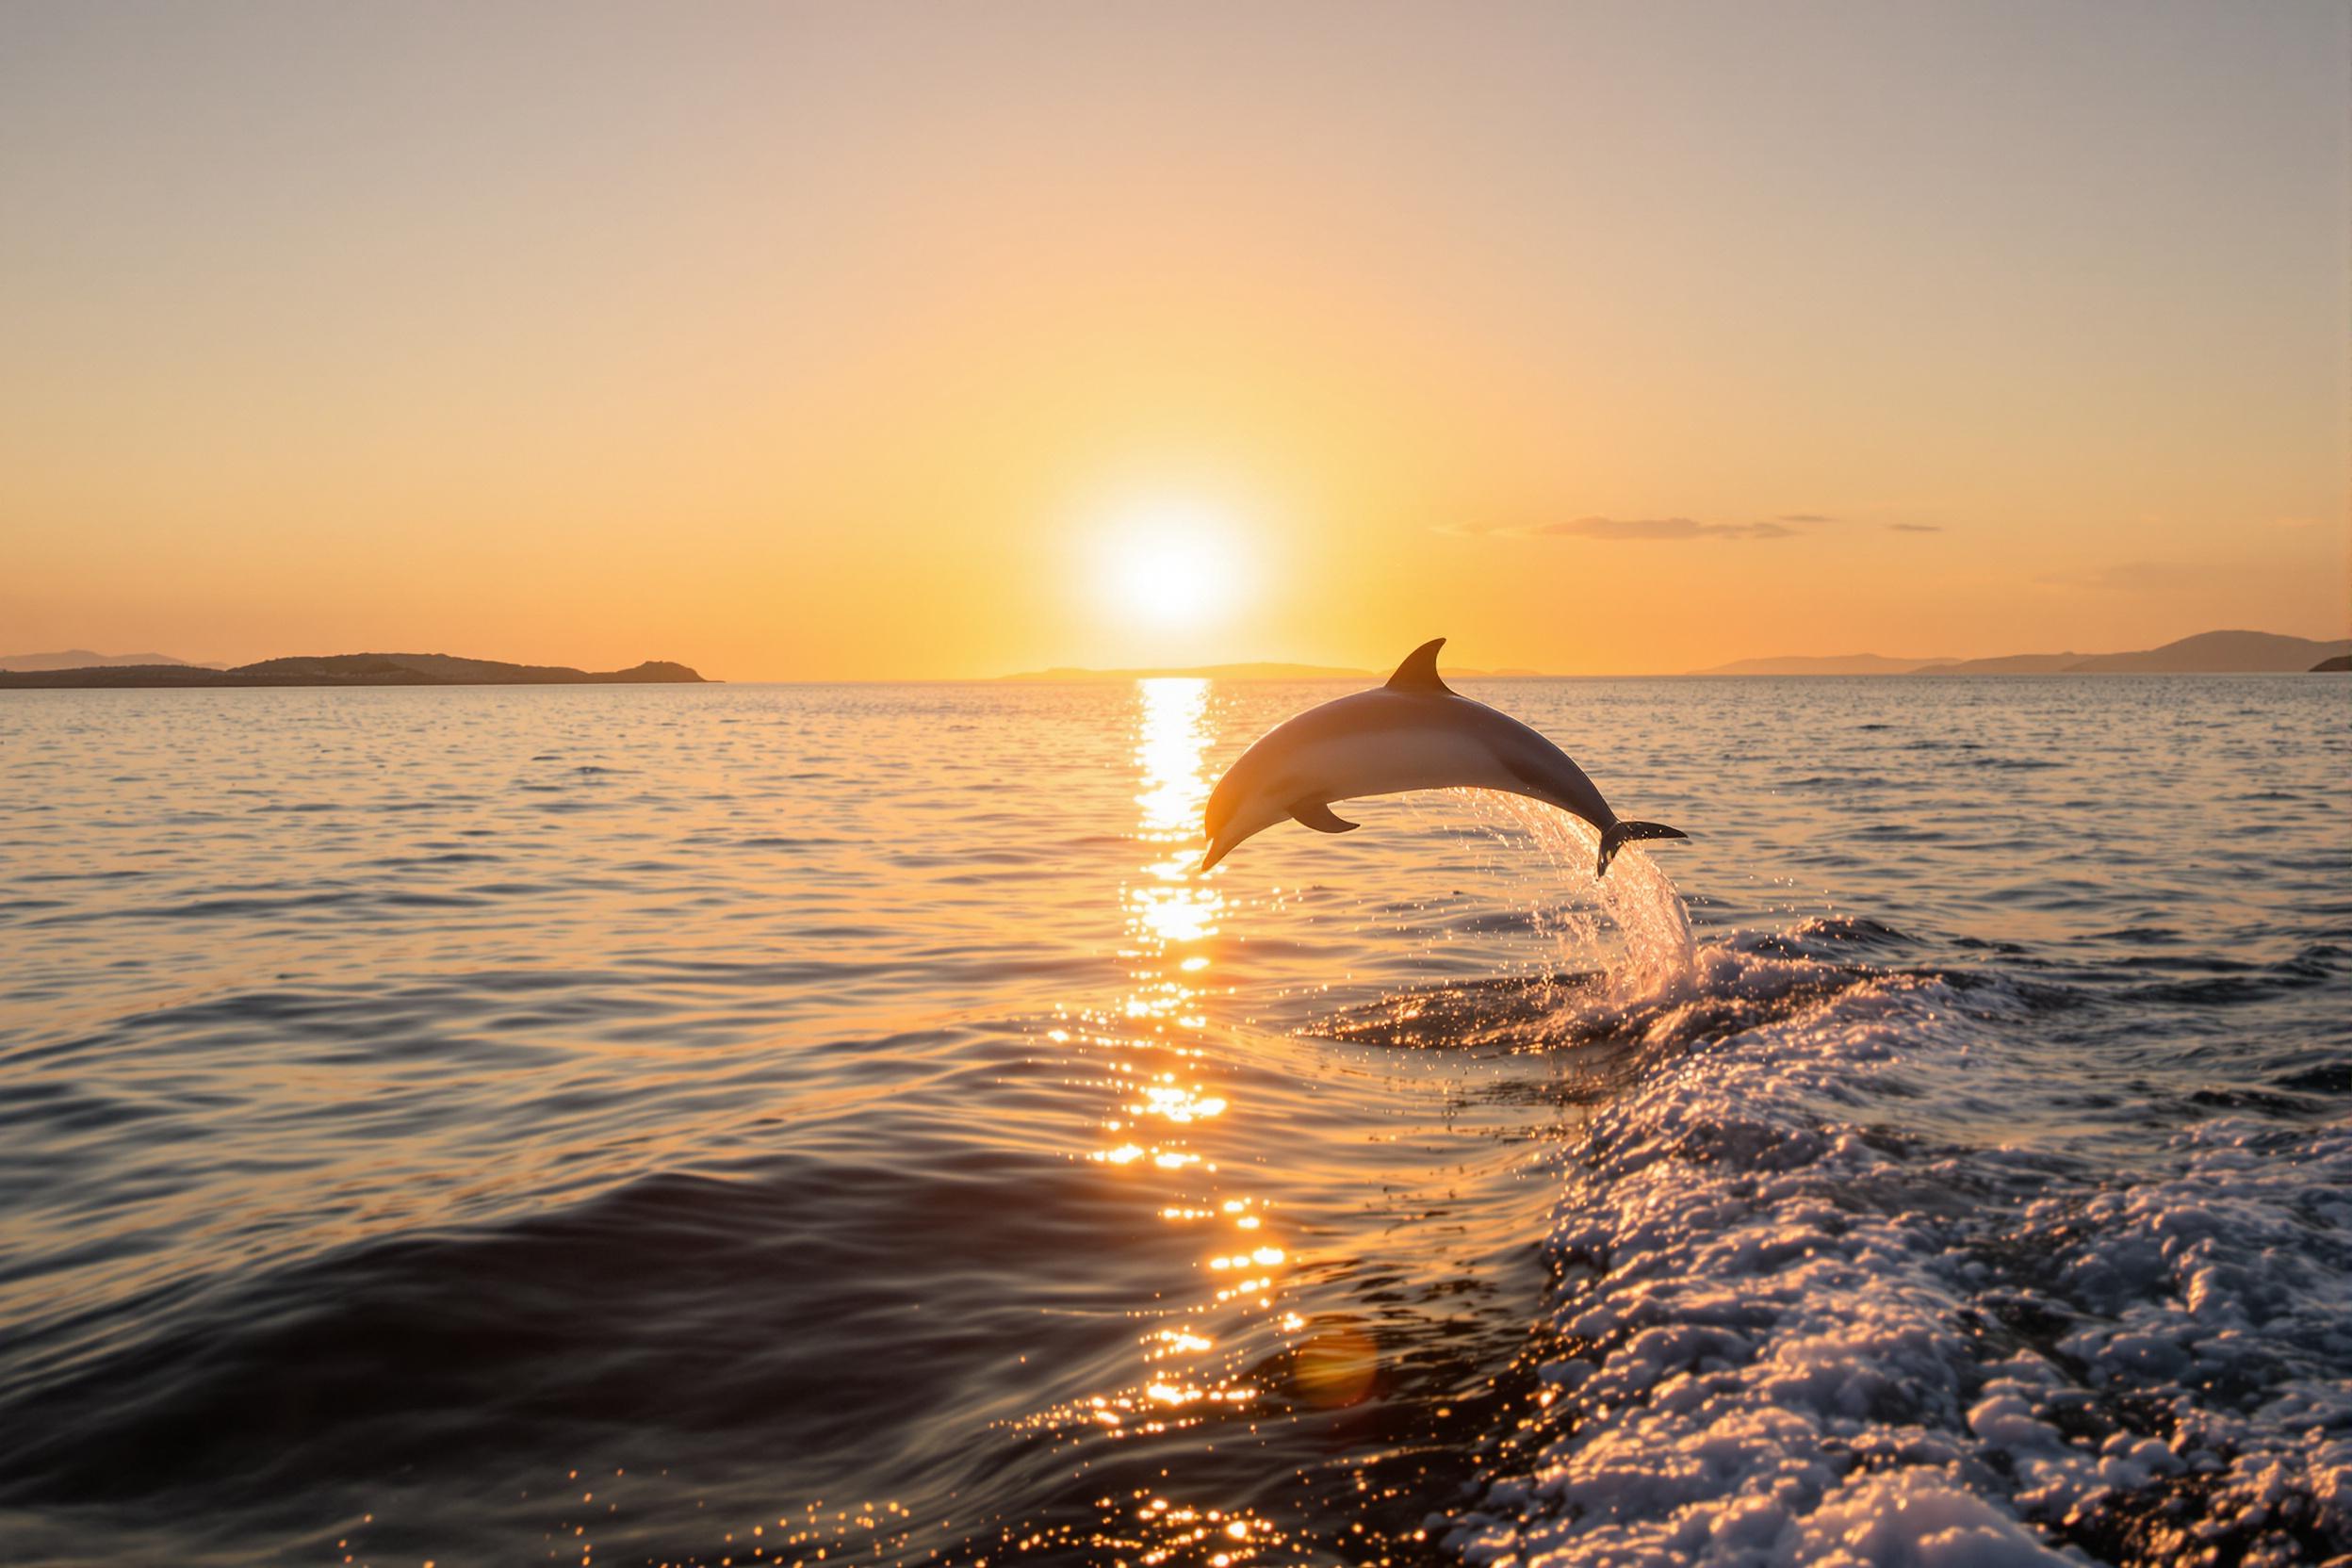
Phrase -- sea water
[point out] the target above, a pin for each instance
(741, 1123)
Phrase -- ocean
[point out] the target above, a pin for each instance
(784, 1124)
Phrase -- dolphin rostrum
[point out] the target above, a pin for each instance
(1414, 733)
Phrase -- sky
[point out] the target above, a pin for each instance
(817, 341)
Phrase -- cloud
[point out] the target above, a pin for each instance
(1789, 525)
(1656, 528)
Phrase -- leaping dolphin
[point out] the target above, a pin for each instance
(1414, 733)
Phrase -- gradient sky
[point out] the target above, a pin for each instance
(874, 340)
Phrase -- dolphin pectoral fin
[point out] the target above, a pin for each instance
(1418, 673)
(1314, 814)
(1618, 834)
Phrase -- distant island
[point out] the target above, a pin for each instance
(2207, 653)
(83, 658)
(347, 669)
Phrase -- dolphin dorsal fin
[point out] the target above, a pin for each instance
(1418, 673)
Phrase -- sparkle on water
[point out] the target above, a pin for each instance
(701, 1125)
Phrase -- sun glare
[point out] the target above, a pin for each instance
(1172, 564)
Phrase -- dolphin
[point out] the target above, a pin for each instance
(1414, 733)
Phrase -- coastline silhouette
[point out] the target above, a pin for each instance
(353, 669)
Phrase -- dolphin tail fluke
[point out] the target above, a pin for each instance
(1617, 835)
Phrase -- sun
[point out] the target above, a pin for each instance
(1170, 565)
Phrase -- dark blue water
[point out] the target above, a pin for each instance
(678, 1124)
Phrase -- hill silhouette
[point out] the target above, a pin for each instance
(2207, 653)
(80, 659)
(351, 669)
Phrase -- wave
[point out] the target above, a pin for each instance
(1833, 1282)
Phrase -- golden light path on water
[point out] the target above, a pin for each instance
(1151, 1045)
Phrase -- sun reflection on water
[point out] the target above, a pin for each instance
(1163, 1107)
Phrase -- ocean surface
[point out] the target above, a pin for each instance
(784, 1124)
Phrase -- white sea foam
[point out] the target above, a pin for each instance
(1794, 1330)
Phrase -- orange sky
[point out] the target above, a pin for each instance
(867, 341)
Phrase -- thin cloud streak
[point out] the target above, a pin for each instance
(1660, 527)
(1620, 530)
(1789, 525)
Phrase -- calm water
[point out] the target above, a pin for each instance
(684, 1125)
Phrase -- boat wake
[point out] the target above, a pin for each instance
(1844, 1273)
